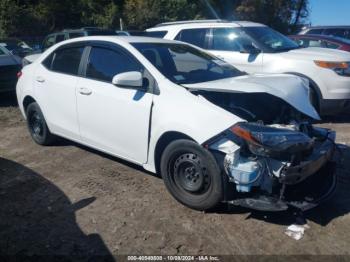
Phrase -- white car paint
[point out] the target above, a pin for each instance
(123, 123)
(331, 86)
(30, 59)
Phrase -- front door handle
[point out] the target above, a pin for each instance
(40, 79)
(85, 91)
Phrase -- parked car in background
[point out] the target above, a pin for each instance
(16, 46)
(256, 48)
(10, 66)
(323, 41)
(213, 132)
(66, 34)
(337, 31)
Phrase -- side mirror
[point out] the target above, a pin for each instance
(132, 79)
(250, 49)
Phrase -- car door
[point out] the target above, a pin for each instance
(229, 45)
(113, 119)
(55, 83)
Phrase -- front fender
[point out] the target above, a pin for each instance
(188, 114)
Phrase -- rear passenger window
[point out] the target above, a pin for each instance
(104, 64)
(193, 36)
(67, 60)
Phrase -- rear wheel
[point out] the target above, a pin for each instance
(37, 125)
(192, 175)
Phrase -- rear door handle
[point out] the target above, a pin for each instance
(85, 91)
(40, 79)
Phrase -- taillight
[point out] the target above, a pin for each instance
(19, 74)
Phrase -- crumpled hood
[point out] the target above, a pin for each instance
(317, 53)
(292, 89)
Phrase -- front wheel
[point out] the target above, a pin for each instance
(192, 175)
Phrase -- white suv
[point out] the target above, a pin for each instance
(256, 48)
(214, 133)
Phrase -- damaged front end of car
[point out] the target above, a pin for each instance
(274, 167)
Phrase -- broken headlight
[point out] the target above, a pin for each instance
(268, 141)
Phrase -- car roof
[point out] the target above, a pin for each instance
(192, 24)
(119, 39)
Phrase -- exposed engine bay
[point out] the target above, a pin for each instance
(254, 106)
(278, 158)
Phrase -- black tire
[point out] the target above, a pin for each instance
(37, 126)
(191, 175)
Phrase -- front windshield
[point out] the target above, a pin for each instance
(183, 64)
(270, 39)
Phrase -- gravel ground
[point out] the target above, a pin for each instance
(71, 200)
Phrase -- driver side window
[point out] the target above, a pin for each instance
(229, 39)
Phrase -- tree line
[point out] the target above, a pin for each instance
(40, 17)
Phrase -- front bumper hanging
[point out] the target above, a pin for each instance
(306, 185)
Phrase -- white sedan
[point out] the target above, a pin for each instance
(214, 133)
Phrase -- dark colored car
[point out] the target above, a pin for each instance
(322, 41)
(10, 65)
(66, 34)
(16, 46)
(337, 31)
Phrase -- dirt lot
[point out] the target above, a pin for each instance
(68, 199)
